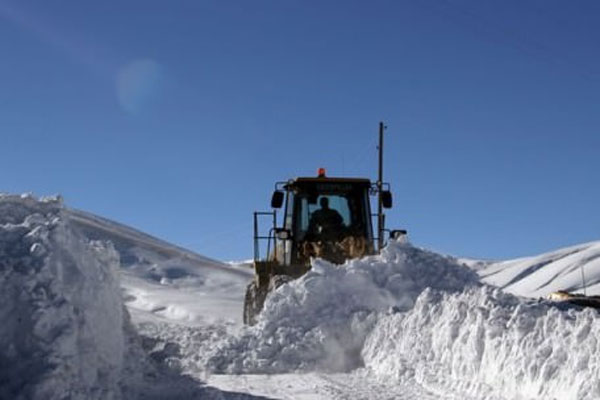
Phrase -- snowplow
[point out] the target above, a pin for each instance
(323, 217)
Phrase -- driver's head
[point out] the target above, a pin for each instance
(324, 202)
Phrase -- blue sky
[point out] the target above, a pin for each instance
(178, 117)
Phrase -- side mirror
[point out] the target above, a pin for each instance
(398, 233)
(386, 199)
(277, 199)
(283, 234)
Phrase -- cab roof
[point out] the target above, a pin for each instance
(326, 179)
(306, 182)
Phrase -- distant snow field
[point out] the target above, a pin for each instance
(93, 309)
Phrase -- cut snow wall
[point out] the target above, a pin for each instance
(490, 344)
(61, 312)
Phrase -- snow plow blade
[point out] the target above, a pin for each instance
(575, 298)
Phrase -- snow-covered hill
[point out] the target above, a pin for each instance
(537, 276)
(405, 324)
(163, 281)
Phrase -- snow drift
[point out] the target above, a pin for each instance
(320, 321)
(409, 314)
(488, 343)
(63, 331)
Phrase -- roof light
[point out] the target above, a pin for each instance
(321, 172)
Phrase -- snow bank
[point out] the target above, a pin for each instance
(320, 321)
(63, 332)
(411, 315)
(487, 343)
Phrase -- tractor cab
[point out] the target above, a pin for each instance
(325, 217)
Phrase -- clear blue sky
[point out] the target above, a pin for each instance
(178, 117)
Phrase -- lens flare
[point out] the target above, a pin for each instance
(138, 85)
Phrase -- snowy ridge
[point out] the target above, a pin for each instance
(540, 275)
(94, 225)
(165, 282)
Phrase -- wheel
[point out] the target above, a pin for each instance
(278, 280)
(255, 297)
(253, 303)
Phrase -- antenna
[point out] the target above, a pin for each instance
(380, 216)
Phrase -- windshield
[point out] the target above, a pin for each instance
(344, 210)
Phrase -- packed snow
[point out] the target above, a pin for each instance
(486, 343)
(320, 322)
(64, 330)
(94, 309)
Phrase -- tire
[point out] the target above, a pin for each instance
(278, 280)
(253, 303)
(254, 300)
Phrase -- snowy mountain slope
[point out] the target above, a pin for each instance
(540, 275)
(125, 238)
(165, 281)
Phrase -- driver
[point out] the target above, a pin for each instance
(325, 222)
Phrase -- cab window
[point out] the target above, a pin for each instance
(305, 209)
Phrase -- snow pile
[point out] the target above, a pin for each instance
(490, 344)
(63, 331)
(320, 321)
(409, 315)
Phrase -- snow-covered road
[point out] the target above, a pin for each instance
(319, 386)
